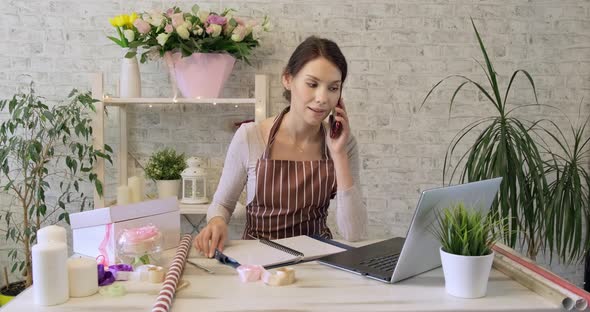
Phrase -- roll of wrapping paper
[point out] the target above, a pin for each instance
(539, 280)
(164, 300)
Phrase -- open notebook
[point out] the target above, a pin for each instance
(273, 253)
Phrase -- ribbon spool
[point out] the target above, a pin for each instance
(282, 277)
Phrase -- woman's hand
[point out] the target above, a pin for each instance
(211, 237)
(337, 145)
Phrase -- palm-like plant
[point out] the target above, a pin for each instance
(568, 194)
(504, 148)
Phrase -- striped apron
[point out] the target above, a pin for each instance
(292, 197)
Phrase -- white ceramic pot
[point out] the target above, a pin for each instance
(168, 188)
(466, 276)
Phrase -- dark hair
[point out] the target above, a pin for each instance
(310, 49)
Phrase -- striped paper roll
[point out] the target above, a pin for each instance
(164, 300)
(539, 280)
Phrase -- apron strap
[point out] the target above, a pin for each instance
(273, 132)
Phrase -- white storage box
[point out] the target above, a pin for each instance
(95, 232)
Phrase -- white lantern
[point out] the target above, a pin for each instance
(194, 183)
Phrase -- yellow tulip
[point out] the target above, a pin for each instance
(125, 18)
(132, 18)
(119, 21)
(112, 21)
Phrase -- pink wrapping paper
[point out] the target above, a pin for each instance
(164, 300)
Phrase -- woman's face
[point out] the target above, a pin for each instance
(315, 90)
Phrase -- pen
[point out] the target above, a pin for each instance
(201, 267)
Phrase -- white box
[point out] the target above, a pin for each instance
(102, 227)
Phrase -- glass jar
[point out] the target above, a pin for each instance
(139, 246)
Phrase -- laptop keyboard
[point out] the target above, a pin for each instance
(383, 263)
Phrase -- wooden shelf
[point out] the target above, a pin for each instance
(109, 101)
(261, 111)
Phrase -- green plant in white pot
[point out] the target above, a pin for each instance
(466, 236)
(165, 167)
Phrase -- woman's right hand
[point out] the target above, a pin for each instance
(211, 237)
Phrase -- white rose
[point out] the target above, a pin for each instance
(202, 14)
(216, 30)
(182, 31)
(198, 30)
(129, 35)
(162, 38)
(257, 32)
(239, 33)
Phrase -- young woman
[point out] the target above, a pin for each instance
(291, 164)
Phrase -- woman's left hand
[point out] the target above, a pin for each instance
(337, 145)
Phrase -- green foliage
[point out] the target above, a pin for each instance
(42, 146)
(466, 232)
(165, 165)
(538, 212)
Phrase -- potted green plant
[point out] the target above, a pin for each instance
(165, 167)
(536, 178)
(199, 46)
(467, 236)
(46, 160)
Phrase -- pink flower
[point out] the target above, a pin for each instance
(177, 19)
(169, 12)
(168, 29)
(239, 21)
(216, 19)
(142, 26)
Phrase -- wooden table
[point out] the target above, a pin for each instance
(318, 288)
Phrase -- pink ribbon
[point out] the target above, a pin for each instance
(103, 245)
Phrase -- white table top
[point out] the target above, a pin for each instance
(317, 288)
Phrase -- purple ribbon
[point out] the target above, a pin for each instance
(108, 277)
(104, 277)
(116, 268)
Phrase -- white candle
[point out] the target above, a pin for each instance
(83, 277)
(50, 273)
(136, 186)
(51, 233)
(123, 195)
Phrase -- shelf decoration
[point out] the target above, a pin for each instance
(200, 47)
(194, 183)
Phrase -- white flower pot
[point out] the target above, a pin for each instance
(168, 188)
(466, 276)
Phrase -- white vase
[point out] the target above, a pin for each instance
(466, 276)
(168, 188)
(129, 79)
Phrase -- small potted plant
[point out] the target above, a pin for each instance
(165, 167)
(466, 237)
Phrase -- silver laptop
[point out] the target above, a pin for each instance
(399, 258)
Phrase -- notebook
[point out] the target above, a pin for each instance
(272, 253)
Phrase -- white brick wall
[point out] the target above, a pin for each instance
(396, 51)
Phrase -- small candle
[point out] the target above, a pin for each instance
(123, 195)
(136, 186)
(83, 277)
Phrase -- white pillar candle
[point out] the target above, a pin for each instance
(123, 195)
(136, 185)
(51, 233)
(83, 277)
(50, 273)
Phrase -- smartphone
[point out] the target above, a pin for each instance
(335, 126)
